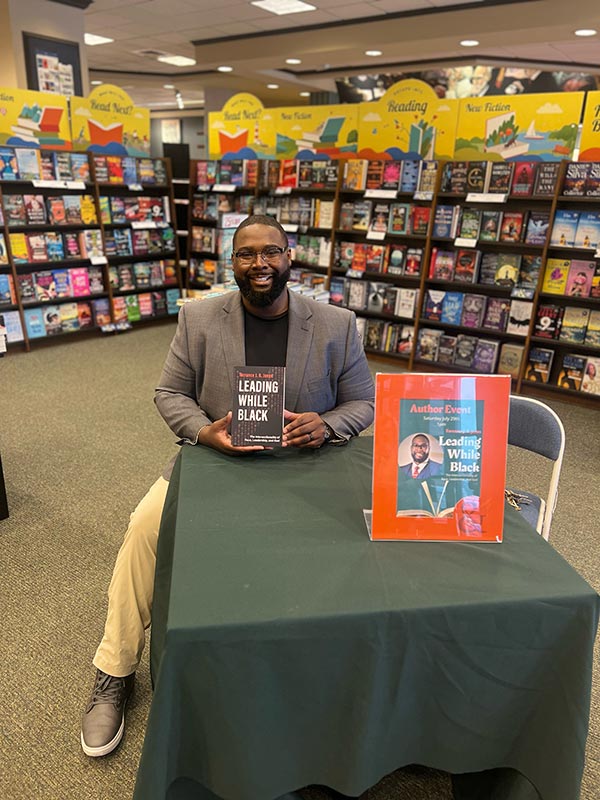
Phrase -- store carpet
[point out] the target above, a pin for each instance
(81, 442)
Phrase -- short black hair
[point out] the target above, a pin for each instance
(260, 219)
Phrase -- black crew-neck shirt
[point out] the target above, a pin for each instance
(266, 340)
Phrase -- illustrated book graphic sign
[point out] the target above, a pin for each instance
(257, 408)
(439, 460)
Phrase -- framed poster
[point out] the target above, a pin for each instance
(52, 65)
(170, 131)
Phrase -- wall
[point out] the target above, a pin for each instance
(192, 133)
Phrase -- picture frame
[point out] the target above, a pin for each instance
(52, 65)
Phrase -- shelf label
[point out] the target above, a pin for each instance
(135, 187)
(354, 273)
(74, 184)
(486, 197)
(290, 228)
(224, 187)
(283, 190)
(377, 236)
(460, 241)
(59, 184)
(423, 196)
(96, 260)
(203, 187)
(383, 194)
(142, 224)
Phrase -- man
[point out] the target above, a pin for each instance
(329, 398)
(421, 467)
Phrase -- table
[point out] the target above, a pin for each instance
(288, 649)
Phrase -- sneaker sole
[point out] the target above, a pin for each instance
(95, 752)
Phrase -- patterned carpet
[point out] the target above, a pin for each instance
(81, 442)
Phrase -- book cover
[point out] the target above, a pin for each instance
(579, 279)
(87, 209)
(529, 270)
(432, 307)
(452, 308)
(399, 216)
(374, 333)
(29, 165)
(555, 276)
(337, 291)
(345, 255)
(512, 226)
(476, 175)
(62, 282)
(509, 361)
(84, 315)
(18, 248)
(357, 295)
(7, 295)
(485, 356)
(548, 319)
(45, 287)
(496, 314)
(575, 177)
(14, 210)
(571, 372)
(428, 344)
(12, 325)
(80, 167)
(523, 179)
(390, 298)
(374, 179)
(454, 430)
(133, 308)
(592, 183)
(72, 209)
(101, 169)
(473, 310)
(419, 220)
(465, 350)
(446, 177)
(588, 229)
(346, 216)
(145, 170)
(118, 210)
(458, 177)
(467, 264)
(26, 286)
(488, 268)
(564, 228)
(538, 224)
(491, 222)
(101, 311)
(507, 273)
(9, 169)
(574, 324)
(442, 264)
(405, 341)
(69, 318)
(172, 296)
(426, 181)
(34, 323)
(374, 257)
(115, 169)
(500, 177)
(406, 301)
(36, 247)
(519, 317)
(35, 209)
(257, 406)
(80, 281)
(591, 376)
(414, 259)
(470, 223)
(52, 320)
(62, 166)
(375, 297)
(444, 222)
(391, 175)
(410, 176)
(359, 257)
(379, 219)
(546, 178)
(145, 304)
(355, 174)
(395, 259)
(361, 215)
(446, 349)
(72, 245)
(592, 334)
(539, 364)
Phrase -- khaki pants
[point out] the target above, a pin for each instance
(131, 588)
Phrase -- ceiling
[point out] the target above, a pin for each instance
(330, 41)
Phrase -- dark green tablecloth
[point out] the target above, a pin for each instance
(288, 649)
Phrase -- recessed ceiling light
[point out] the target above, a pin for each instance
(373, 53)
(304, 94)
(177, 61)
(95, 83)
(272, 86)
(168, 85)
(92, 39)
(469, 43)
(281, 7)
(586, 32)
(293, 61)
(224, 69)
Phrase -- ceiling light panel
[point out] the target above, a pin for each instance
(282, 7)
(177, 61)
(93, 39)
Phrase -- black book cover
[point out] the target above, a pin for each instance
(258, 403)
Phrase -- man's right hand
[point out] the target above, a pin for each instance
(218, 437)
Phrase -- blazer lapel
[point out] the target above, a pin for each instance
(300, 335)
(232, 335)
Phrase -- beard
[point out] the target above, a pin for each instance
(263, 299)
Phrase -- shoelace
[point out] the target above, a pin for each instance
(108, 690)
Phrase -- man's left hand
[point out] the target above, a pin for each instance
(303, 430)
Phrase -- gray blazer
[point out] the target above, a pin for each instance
(327, 371)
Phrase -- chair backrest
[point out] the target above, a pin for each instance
(534, 426)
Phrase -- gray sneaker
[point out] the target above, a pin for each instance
(103, 720)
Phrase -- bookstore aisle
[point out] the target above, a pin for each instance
(81, 441)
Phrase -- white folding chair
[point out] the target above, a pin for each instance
(535, 427)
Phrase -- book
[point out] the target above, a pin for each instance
(588, 230)
(52, 321)
(414, 259)
(592, 334)
(459, 494)
(395, 259)
(452, 305)
(56, 210)
(45, 287)
(523, 179)
(595, 288)
(575, 177)
(519, 317)
(465, 350)
(496, 314)
(34, 323)
(406, 301)
(80, 281)
(538, 223)
(257, 406)
(579, 279)
(29, 165)
(355, 174)
(87, 208)
(410, 176)
(14, 210)
(442, 263)
(555, 276)
(446, 349)
(80, 167)
(509, 360)
(546, 178)
(428, 343)
(539, 364)
(35, 209)
(36, 247)
(55, 248)
(379, 218)
(445, 221)
(62, 166)
(470, 223)
(101, 311)
(592, 182)
(476, 176)
(72, 209)
(574, 324)
(491, 222)
(357, 295)
(18, 247)
(100, 169)
(419, 220)
(432, 306)
(427, 178)
(548, 319)
(564, 228)
(591, 376)
(374, 333)
(374, 257)
(529, 270)
(488, 268)
(458, 177)
(473, 310)
(486, 355)
(9, 169)
(375, 297)
(374, 177)
(391, 175)
(399, 216)
(467, 264)
(572, 370)
(499, 177)
(390, 297)
(507, 272)
(69, 317)
(361, 216)
(512, 226)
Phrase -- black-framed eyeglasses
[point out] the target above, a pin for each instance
(269, 255)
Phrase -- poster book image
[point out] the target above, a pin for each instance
(440, 457)
(258, 403)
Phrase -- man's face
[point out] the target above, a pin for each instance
(419, 449)
(261, 280)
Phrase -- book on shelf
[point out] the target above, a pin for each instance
(419, 220)
(399, 216)
(546, 178)
(36, 247)
(69, 317)
(564, 228)
(512, 226)
(432, 306)
(414, 259)
(359, 257)
(509, 360)
(357, 295)
(476, 176)
(288, 172)
(507, 272)
(473, 310)
(390, 298)
(406, 301)
(80, 281)
(324, 213)
(409, 177)
(62, 166)
(337, 291)
(491, 222)
(548, 319)
(35, 209)
(28, 163)
(14, 210)
(446, 349)
(575, 178)
(7, 291)
(595, 287)
(572, 370)
(390, 178)
(441, 266)
(519, 317)
(361, 216)
(426, 181)
(588, 230)
(346, 216)
(375, 297)
(470, 222)
(499, 177)
(592, 334)
(62, 282)
(355, 174)
(26, 287)
(523, 179)
(467, 265)
(536, 231)
(34, 323)
(488, 267)
(445, 221)
(428, 343)
(133, 308)
(539, 364)
(459, 494)
(452, 305)
(592, 183)
(465, 350)
(579, 279)
(374, 257)
(574, 324)
(374, 176)
(591, 376)
(405, 339)
(555, 276)
(395, 259)
(529, 270)
(374, 333)
(13, 330)
(9, 169)
(485, 355)
(458, 177)
(497, 310)
(379, 218)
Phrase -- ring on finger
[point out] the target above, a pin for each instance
(310, 436)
